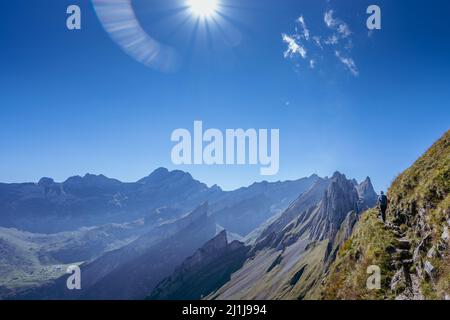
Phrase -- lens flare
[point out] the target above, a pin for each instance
(203, 8)
(119, 20)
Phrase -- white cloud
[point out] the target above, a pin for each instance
(294, 47)
(348, 62)
(317, 40)
(336, 43)
(328, 18)
(305, 29)
(332, 40)
(342, 28)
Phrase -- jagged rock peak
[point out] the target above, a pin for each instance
(367, 194)
(209, 250)
(339, 199)
(220, 241)
(338, 176)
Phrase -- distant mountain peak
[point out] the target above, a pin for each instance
(216, 187)
(157, 174)
(366, 194)
(338, 176)
(46, 182)
(163, 173)
(94, 176)
(91, 180)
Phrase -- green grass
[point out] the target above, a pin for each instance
(426, 184)
(367, 246)
(422, 188)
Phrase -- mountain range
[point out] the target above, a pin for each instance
(169, 236)
(146, 265)
(92, 200)
(46, 226)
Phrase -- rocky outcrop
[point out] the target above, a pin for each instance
(340, 198)
(367, 195)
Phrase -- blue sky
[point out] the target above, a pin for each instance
(73, 102)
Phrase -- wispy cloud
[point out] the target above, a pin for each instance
(293, 48)
(348, 62)
(303, 28)
(317, 41)
(328, 18)
(335, 44)
(332, 40)
(342, 29)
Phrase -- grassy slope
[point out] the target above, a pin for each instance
(424, 188)
(369, 245)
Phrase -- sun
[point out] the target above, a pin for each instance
(203, 8)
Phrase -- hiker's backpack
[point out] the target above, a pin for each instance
(383, 200)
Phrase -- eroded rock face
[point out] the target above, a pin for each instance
(367, 195)
(340, 198)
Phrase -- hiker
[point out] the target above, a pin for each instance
(382, 203)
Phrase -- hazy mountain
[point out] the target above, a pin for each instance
(49, 207)
(294, 225)
(92, 200)
(83, 217)
(244, 209)
(285, 260)
(30, 259)
(204, 272)
(132, 271)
